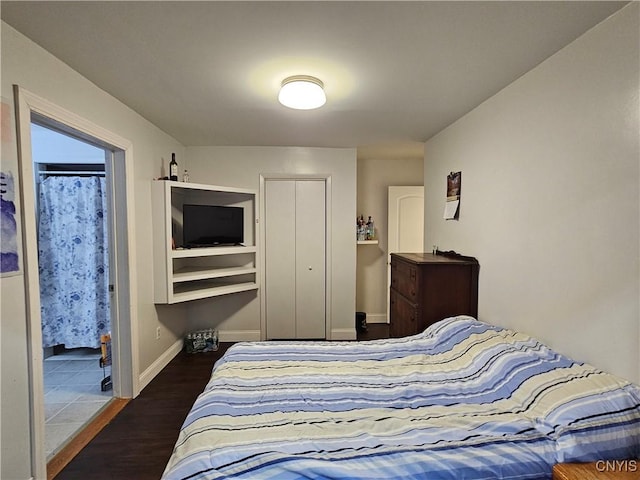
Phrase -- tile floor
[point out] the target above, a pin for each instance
(72, 395)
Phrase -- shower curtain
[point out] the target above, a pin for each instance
(73, 261)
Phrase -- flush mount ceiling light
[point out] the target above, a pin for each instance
(302, 92)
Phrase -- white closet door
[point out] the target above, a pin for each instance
(310, 258)
(295, 258)
(280, 265)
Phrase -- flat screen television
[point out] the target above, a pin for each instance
(212, 225)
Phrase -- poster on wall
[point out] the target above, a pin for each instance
(452, 205)
(9, 233)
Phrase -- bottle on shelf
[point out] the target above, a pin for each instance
(173, 168)
(361, 233)
(371, 234)
(185, 176)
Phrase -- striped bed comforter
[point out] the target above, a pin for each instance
(462, 400)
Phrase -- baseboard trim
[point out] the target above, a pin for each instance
(377, 318)
(77, 443)
(343, 334)
(156, 367)
(239, 335)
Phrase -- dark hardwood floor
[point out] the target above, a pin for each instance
(138, 442)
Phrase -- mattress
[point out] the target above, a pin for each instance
(462, 400)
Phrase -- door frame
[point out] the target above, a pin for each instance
(396, 193)
(262, 261)
(124, 330)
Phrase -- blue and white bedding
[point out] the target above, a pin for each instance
(462, 400)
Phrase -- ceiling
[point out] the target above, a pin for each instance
(395, 73)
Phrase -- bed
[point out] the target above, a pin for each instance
(462, 400)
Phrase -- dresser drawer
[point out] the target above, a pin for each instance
(404, 316)
(404, 279)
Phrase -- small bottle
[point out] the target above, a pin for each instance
(361, 229)
(185, 176)
(370, 229)
(173, 168)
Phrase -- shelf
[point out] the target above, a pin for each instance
(185, 293)
(182, 275)
(190, 274)
(208, 188)
(211, 251)
(367, 242)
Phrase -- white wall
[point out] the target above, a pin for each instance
(34, 69)
(238, 316)
(375, 175)
(550, 198)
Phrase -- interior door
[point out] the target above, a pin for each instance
(405, 223)
(280, 266)
(295, 258)
(310, 259)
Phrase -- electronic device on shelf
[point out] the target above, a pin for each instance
(212, 226)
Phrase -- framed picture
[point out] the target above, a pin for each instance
(9, 215)
(454, 182)
(452, 205)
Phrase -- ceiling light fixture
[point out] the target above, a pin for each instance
(302, 92)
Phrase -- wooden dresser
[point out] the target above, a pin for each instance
(426, 288)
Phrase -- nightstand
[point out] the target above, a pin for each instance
(601, 470)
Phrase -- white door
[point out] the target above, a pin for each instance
(310, 258)
(295, 256)
(280, 267)
(405, 223)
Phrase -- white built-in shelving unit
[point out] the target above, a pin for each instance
(181, 275)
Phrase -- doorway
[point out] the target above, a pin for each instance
(119, 169)
(405, 224)
(74, 261)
